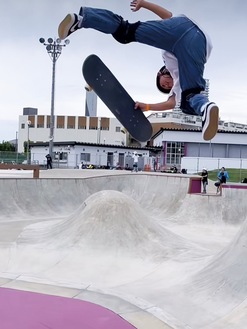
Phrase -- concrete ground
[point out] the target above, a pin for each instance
(136, 244)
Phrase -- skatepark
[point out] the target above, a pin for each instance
(114, 249)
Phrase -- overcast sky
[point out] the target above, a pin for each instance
(26, 69)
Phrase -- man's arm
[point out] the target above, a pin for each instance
(156, 9)
(163, 106)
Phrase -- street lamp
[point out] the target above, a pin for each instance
(54, 50)
(28, 126)
(16, 147)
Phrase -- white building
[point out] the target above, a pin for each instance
(73, 154)
(36, 128)
(176, 136)
(185, 148)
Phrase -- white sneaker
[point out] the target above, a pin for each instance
(69, 24)
(210, 120)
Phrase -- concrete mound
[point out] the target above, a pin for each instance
(111, 221)
(181, 257)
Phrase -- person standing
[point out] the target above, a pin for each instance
(48, 161)
(155, 164)
(204, 180)
(135, 164)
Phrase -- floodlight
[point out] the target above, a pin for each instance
(41, 40)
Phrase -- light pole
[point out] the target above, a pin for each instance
(28, 125)
(99, 131)
(54, 50)
(16, 147)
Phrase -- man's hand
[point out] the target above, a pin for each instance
(156, 9)
(142, 106)
(136, 5)
(163, 106)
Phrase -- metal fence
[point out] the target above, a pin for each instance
(13, 157)
(90, 160)
(195, 165)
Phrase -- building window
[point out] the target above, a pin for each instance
(118, 129)
(61, 156)
(40, 121)
(70, 122)
(93, 123)
(23, 126)
(60, 122)
(174, 153)
(85, 157)
(82, 123)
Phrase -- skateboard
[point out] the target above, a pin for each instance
(116, 98)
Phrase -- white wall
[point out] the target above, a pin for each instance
(196, 137)
(98, 154)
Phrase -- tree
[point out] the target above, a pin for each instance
(7, 146)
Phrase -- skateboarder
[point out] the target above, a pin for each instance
(185, 50)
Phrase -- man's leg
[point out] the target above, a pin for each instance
(162, 34)
(98, 19)
(194, 101)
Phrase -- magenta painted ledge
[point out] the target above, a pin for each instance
(237, 186)
(28, 310)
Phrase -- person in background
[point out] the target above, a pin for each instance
(48, 161)
(204, 175)
(223, 177)
(135, 158)
(174, 169)
(155, 164)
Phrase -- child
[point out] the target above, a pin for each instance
(204, 180)
(223, 177)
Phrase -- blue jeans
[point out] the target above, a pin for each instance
(178, 35)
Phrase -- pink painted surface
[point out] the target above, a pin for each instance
(195, 185)
(27, 310)
(238, 187)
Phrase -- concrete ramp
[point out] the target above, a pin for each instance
(138, 244)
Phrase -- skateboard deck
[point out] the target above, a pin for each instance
(116, 98)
